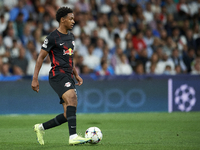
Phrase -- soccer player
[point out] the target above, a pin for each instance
(59, 44)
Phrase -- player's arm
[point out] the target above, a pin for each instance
(40, 59)
(78, 78)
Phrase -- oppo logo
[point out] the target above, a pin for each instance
(110, 99)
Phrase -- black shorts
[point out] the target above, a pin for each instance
(62, 83)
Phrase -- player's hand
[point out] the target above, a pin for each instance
(79, 79)
(35, 85)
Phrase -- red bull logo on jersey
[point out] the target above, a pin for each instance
(68, 52)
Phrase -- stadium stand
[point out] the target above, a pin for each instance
(125, 35)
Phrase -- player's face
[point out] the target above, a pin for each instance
(69, 21)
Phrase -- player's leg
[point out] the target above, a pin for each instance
(39, 128)
(58, 120)
(70, 98)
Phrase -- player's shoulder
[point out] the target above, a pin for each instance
(52, 34)
(50, 38)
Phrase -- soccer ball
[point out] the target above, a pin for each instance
(94, 133)
(185, 98)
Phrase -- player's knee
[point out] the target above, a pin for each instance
(73, 100)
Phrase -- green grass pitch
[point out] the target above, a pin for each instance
(121, 131)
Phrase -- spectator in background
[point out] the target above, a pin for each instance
(114, 21)
(142, 57)
(4, 53)
(105, 8)
(79, 62)
(106, 55)
(33, 25)
(81, 27)
(14, 50)
(27, 35)
(93, 8)
(85, 70)
(39, 8)
(102, 31)
(190, 40)
(156, 44)
(163, 36)
(184, 27)
(179, 39)
(37, 39)
(31, 63)
(148, 14)
(129, 47)
(83, 48)
(196, 33)
(167, 64)
(116, 57)
(149, 39)
(51, 7)
(178, 69)
(152, 69)
(178, 60)
(138, 42)
(9, 4)
(169, 46)
(19, 64)
(10, 36)
(19, 8)
(153, 61)
(90, 21)
(188, 58)
(46, 23)
(132, 58)
(121, 31)
(4, 59)
(163, 14)
(30, 49)
(82, 6)
(98, 51)
(139, 69)
(91, 60)
(132, 5)
(3, 23)
(153, 23)
(46, 67)
(103, 70)
(19, 26)
(67, 3)
(5, 69)
(139, 16)
(75, 59)
(168, 70)
(156, 6)
(159, 51)
(171, 7)
(117, 44)
(123, 68)
(94, 37)
(169, 25)
(196, 66)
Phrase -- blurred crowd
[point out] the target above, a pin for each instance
(112, 37)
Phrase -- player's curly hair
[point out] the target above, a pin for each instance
(62, 11)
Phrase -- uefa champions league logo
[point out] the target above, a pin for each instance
(185, 98)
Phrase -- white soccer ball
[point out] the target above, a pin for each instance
(185, 97)
(94, 133)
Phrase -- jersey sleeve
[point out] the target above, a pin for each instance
(48, 43)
